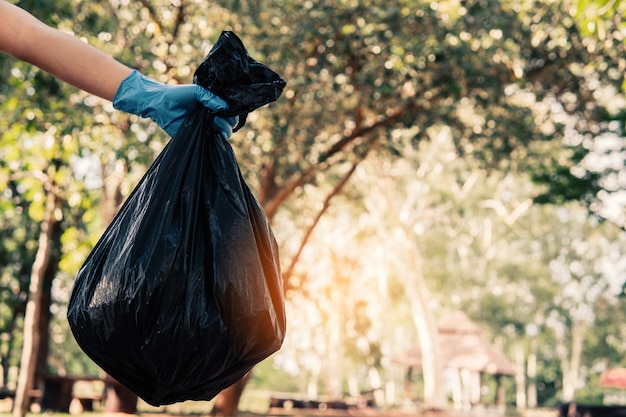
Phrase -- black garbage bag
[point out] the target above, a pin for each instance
(182, 295)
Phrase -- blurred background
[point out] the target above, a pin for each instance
(446, 181)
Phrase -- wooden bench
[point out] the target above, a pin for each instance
(85, 394)
(289, 403)
(80, 393)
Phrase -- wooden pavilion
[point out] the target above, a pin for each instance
(467, 355)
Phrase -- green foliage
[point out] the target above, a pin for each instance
(568, 174)
(367, 80)
(266, 376)
(591, 395)
(600, 17)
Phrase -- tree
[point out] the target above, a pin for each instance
(589, 169)
(37, 178)
(356, 72)
(477, 80)
(32, 331)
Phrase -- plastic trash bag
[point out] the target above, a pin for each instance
(182, 295)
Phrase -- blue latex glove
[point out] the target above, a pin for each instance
(168, 105)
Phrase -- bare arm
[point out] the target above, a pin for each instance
(58, 53)
(83, 66)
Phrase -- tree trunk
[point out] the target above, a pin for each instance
(571, 365)
(227, 402)
(520, 378)
(120, 399)
(418, 295)
(532, 374)
(46, 302)
(313, 381)
(335, 343)
(32, 316)
(432, 365)
(500, 399)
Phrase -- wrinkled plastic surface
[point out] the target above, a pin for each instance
(182, 295)
(241, 81)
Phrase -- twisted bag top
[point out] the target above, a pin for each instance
(232, 74)
(182, 295)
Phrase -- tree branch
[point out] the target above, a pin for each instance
(153, 14)
(299, 178)
(336, 190)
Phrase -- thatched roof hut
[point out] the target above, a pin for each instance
(463, 346)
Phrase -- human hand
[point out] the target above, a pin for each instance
(168, 105)
(225, 124)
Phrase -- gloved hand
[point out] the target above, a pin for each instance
(168, 105)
